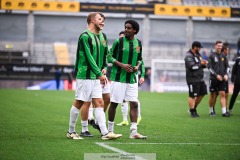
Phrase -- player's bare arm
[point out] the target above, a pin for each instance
(135, 68)
(141, 80)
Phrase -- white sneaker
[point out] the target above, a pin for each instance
(73, 135)
(111, 135)
(136, 135)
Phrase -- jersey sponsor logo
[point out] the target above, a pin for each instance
(216, 59)
(104, 43)
(138, 49)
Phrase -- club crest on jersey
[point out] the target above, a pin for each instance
(104, 43)
(222, 59)
(138, 49)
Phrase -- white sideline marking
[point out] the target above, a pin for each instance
(104, 145)
(131, 143)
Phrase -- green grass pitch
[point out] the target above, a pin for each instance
(33, 126)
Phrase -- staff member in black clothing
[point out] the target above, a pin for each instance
(218, 67)
(236, 79)
(194, 65)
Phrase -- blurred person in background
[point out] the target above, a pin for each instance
(235, 78)
(238, 50)
(57, 75)
(194, 65)
(204, 55)
(238, 47)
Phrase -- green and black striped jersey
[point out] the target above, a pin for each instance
(127, 52)
(91, 55)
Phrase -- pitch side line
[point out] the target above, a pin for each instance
(131, 143)
(104, 145)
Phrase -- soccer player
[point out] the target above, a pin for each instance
(126, 57)
(194, 65)
(225, 51)
(236, 79)
(218, 67)
(88, 106)
(121, 34)
(125, 104)
(88, 65)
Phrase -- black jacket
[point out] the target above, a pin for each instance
(236, 71)
(194, 69)
(217, 65)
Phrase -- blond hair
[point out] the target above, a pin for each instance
(92, 15)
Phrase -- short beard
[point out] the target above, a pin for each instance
(128, 37)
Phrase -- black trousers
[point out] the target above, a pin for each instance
(236, 90)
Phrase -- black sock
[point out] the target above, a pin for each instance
(192, 110)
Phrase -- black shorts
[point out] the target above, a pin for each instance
(216, 85)
(227, 87)
(197, 89)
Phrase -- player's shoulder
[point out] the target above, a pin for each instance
(103, 34)
(189, 54)
(84, 35)
(139, 42)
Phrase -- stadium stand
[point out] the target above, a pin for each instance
(43, 54)
(167, 36)
(61, 53)
(10, 52)
(232, 3)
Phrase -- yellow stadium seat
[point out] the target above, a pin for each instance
(62, 54)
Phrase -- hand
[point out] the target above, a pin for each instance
(225, 77)
(204, 62)
(104, 71)
(135, 68)
(219, 77)
(103, 80)
(141, 80)
(127, 67)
